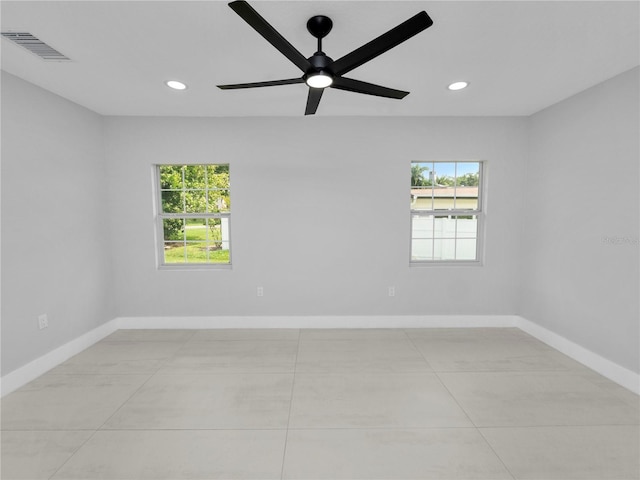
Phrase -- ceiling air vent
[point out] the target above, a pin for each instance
(35, 45)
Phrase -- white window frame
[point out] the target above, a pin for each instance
(160, 216)
(479, 213)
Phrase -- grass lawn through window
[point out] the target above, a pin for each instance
(195, 248)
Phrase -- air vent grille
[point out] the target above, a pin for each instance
(36, 46)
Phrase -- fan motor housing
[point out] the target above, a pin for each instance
(320, 61)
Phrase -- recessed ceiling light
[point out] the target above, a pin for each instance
(176, 85)
(458, 85)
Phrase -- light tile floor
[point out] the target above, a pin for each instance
(320, 404)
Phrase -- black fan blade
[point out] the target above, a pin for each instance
(313, 99)
(384, 42)
(272, 83)
(367, 88)
(270, 34)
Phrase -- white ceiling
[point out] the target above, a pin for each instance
(518, 56)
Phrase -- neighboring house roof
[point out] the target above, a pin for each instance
(445, 192)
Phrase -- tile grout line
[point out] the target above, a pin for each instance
(462, 409)
(494, 452)
(109, 418)
(412, 344)
(99, 428)
(171, 357)
(293, 381)
(72, 454)
(274, 429)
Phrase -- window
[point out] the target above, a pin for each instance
(193, 215)
(446, 211)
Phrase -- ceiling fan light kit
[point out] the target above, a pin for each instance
(319, 70)
(319, 80)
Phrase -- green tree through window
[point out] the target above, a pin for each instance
(195, 213)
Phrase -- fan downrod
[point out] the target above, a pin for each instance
(319, 26)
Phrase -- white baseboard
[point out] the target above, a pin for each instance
(41, 365)
(614, 372)
(32, 370)
(622, 376)
(355, 321)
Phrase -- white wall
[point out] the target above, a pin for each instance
(320, 215)
(580, 242)
(55, 247)
(320, 218)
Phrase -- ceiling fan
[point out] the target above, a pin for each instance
(319, 70)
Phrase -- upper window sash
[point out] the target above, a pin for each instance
(201, 189)
(454, 195)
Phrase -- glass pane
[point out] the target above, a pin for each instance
(224, 230)
(444, 249)
(218, 201)
(466, 198)
(194, 177)
(173, 229)
(195, 201)
(422, 227)
(421, 249)
(219, 256)
(443, 198)
(174, 252)
(468, 174)
(172, 201)
(214, 232)
(219, 240)
(444, 173)
(467, 226)
(421, 198)
(444, 227)
(196, 229)
(171, 177)
(196, 252)
(421, 186)
(218, 176)
(466, 249)
(467, 181)
(421, 174)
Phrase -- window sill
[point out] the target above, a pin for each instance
(194, 266)
(446, 263)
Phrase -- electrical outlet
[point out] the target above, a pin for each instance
(260, 292)
(392, 291)
(43, 321)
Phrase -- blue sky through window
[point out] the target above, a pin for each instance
(448, 169)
